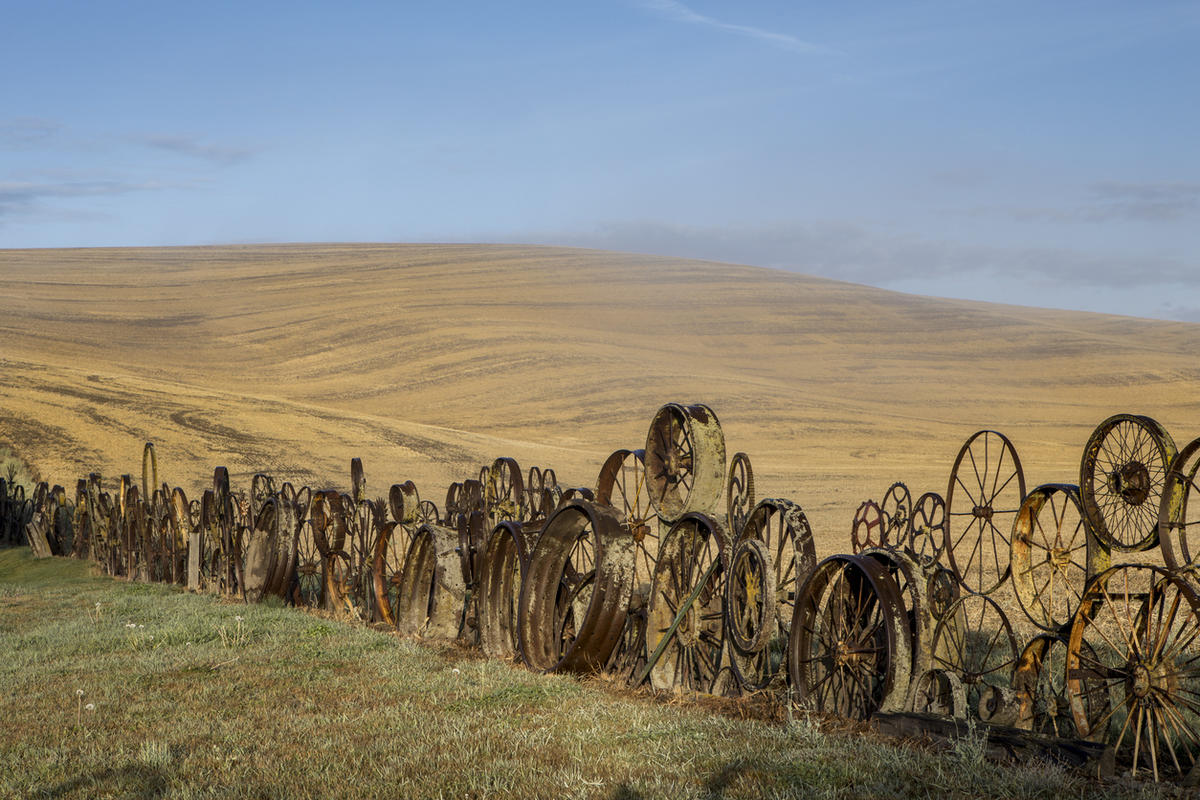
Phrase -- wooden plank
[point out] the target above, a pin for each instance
(1004, 743)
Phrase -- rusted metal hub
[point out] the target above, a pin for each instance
(1131, 481)
(686, 632)
(851, 654)
(1060, 557)
(640, 531)
(1140, 681)
(982, 512)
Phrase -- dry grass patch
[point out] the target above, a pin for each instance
(188, 696)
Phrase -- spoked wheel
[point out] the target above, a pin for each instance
(739, 493)
(561, 582)
(987, 486)
(868, 527)
(533, 493)
(1121, 480)
(505, 491)
(500, 590)
(685, 631)
(783, 528)
(975, 641)
(391, 547)
(1040, 680)
(926, 534)
(1179, 511)
(685, 460)
(431, 589)
(622, 485)
(896, 507)
(427, 514)
(1141, 625)
(849, 650)
(1053, 555)
(751, 626)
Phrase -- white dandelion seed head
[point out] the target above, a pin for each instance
(79, 692)
(90, 707)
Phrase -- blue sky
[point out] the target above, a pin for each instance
(1036, 153)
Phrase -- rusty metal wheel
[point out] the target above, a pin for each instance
(974, 640)
(1053, 555)
(391, 547)
(757, 650)
(739, 493)
(926, 534)
(783, 527)
(455, 503)
(685, 460)
(685, 629)
(987, 486)
(1121, 480)
(1142, 626)
(939, 691)
(431, 591)
(500, 590)
(911, 579)
(896, 508)
(622, 485)
(1040, 679)
(505, 492)
(575, 590)
(868, 528)
(942, 588)
(1179, 511)
(404, 501)
(849, 649)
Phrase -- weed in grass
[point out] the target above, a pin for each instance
(238, 637)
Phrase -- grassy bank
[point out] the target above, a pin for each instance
(188, 696)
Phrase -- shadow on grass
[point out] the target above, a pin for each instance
(135, 780)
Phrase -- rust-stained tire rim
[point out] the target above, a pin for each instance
(552, 586)
(685, 460)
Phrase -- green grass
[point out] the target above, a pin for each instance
(193, 702)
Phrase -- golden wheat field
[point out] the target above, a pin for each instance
(430, 360)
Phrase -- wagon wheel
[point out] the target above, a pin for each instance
(1040, 679)
(911, 580)
(849, 649)
(942, 588)
(927, 528)
(987, 486)
(783, 527)
(1121, 480)
(1142, 625)
(578, 493)
(685, 630)
(867, 529)
(472, 494)
(358, 481)
(455, 502)
(149, 469)
(500, 590)
(628, 658)
(505, 491)
(751, 624)
(896, 508)
(939, 691)
(739, 493)
(975, 640)
(1179, 511)
(387, 565)
(404, 501)
(427, 514)
(431, 591)
(533, 491)
(556, 580)
(1053, 555)
(622, 485)
(685, 460)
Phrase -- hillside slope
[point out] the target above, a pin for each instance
(427, 360)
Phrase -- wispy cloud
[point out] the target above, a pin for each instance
(1114, 201)
(674, 10)
(25, 197)
(194, 148)
(20, 133)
